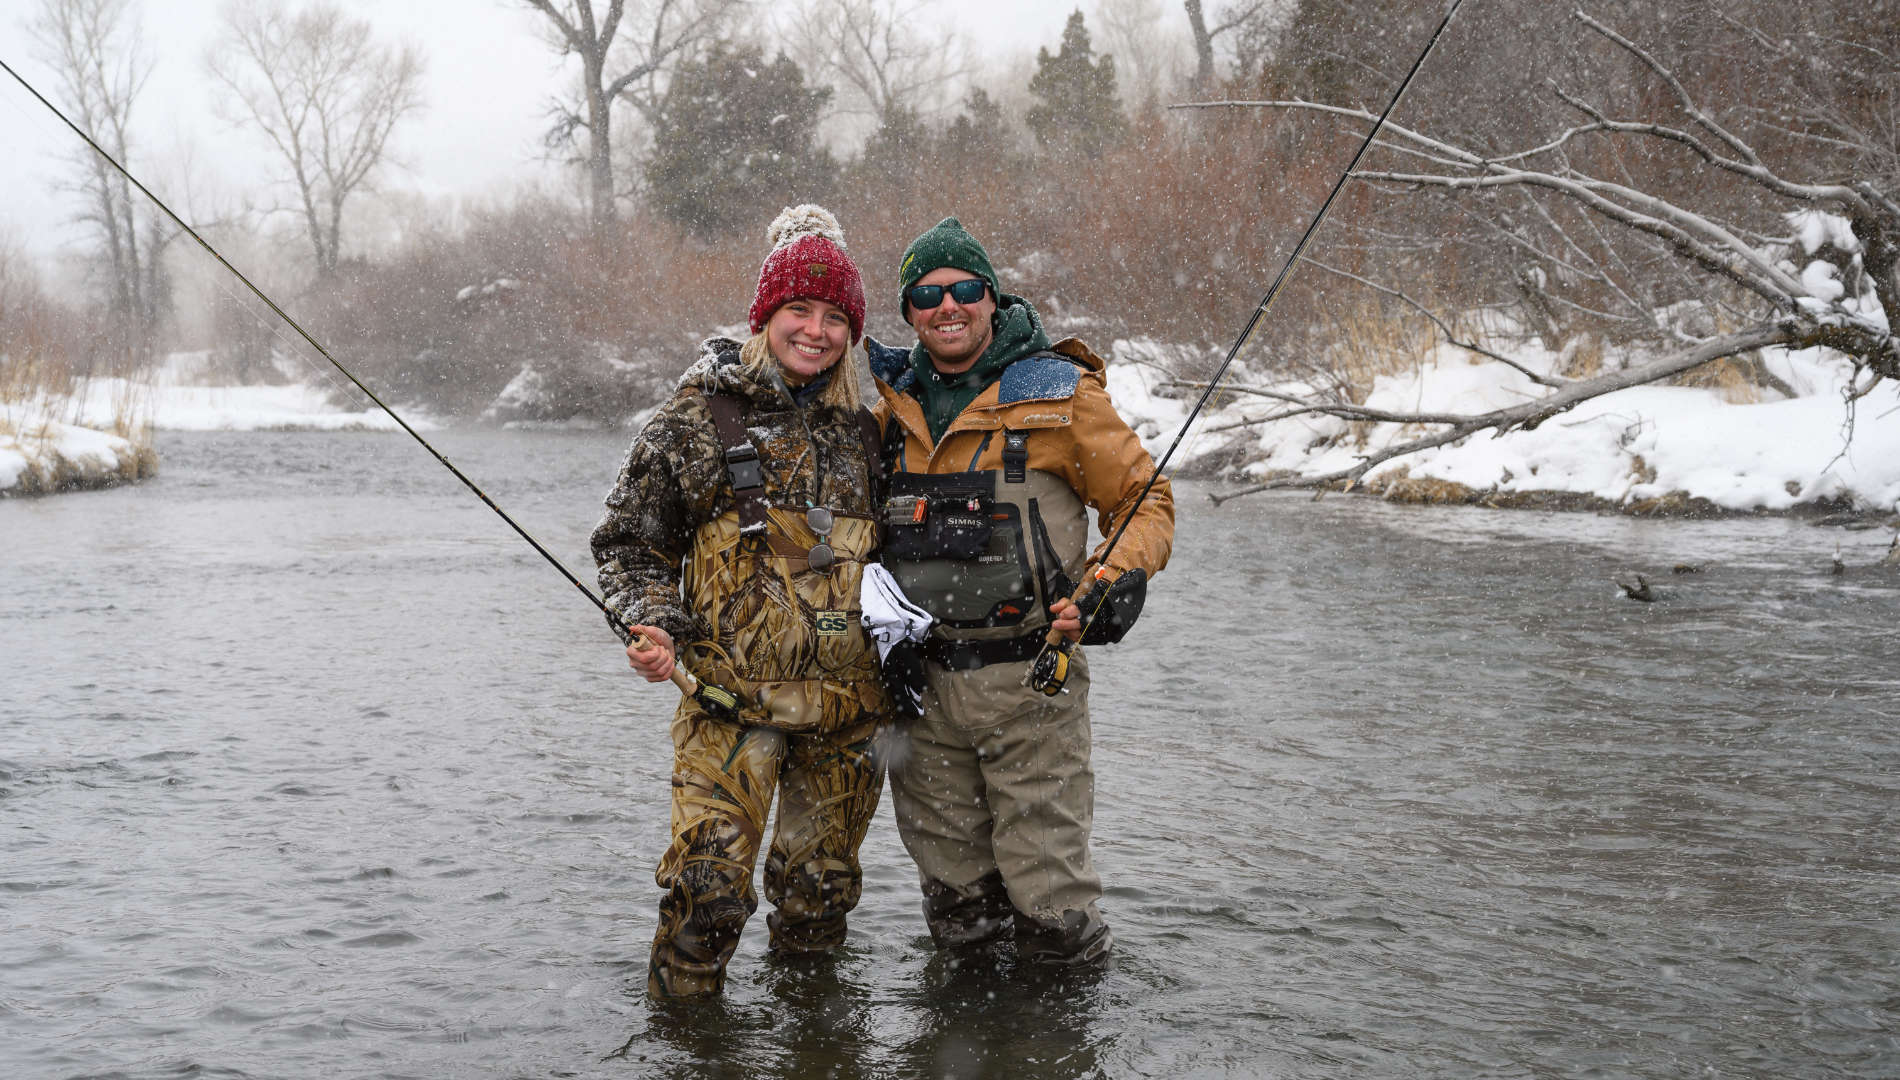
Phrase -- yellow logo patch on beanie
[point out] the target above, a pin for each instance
(818, 269)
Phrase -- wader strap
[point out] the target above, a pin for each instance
(970, 655)
(1015, 456)
(873, 453)
(742, 462)
(893, 450)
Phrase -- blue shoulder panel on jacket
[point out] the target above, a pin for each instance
(889, 364)
(1041, 377)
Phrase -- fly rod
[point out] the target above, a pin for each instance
(713, 699)
(1051, 667)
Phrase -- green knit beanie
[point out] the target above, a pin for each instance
(944, 244)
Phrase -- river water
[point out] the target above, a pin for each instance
(310, 767)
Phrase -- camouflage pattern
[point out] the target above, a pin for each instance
(724, 776)
(674, 480)
(785, 638)
(752, 616)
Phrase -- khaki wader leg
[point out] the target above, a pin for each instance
(828, 794)
(997, 786)
(722, 782)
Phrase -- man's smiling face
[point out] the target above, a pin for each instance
(955, 335)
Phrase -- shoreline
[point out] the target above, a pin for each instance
(66, 457)
(1838, 511)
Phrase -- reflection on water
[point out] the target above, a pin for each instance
(308, 766)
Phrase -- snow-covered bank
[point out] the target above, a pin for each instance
(177, 398)
(1648, 449)
(52, 457)
(39, 455)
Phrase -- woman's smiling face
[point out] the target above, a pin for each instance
(807, 337)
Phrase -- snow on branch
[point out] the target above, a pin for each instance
(1836, 283)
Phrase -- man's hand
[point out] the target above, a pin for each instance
(653, 656)
(1068, 619)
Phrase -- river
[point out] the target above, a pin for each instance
(309, 767)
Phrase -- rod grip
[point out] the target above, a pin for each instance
(680, 677)
(1054, 637)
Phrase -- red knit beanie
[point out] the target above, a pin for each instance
(808, 261)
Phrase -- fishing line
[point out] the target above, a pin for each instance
(1273, 291)
(315, 344)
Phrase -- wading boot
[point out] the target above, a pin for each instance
(973, 915)
(1078, 939)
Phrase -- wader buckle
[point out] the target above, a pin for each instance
(1015, 456)
(742, 464)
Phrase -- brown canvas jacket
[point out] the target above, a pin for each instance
(1077, 435)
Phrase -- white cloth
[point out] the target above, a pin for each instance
(889, 616)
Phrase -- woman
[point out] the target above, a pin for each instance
(733, 543)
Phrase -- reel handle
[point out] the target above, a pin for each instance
(1050, 670)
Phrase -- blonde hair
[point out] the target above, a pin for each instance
(840, 393)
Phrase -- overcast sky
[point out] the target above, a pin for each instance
(490, 76)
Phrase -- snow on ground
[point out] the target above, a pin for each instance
(1632, 445)
(64, 438)
(176, 400)
(1636, 444)
(64, 448)
(231, 408)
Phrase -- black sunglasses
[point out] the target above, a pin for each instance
(967, 291)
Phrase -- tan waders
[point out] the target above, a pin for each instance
(995, 799)
(724, 776)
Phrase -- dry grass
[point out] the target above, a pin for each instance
(1582, 357)
(1397, 484)
(46, 351)
(1734, 380)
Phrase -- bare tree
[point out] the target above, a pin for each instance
(1835, 283)
(1147, 54)
(616, 67)
(1231, 19)
(325, 95)
(885, 64)
(93, 46)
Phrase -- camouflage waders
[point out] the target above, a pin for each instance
(707, 536)
(724, 777)
(812, 728)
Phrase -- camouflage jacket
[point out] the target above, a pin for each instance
(675, 481)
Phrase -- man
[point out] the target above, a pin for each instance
(996, 443)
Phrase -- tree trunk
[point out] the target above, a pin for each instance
(600, 162)
(1203, 47)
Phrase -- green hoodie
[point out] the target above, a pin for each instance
(1016, 332)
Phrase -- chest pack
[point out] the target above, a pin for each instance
(985, 551)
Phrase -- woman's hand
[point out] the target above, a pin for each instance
(651, 653)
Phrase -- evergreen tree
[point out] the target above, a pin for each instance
(1078, 112)
(734, 134)
(980, 131)
(899, 147)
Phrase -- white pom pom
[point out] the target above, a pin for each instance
(807, 219)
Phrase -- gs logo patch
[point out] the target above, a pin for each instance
(832, 623)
